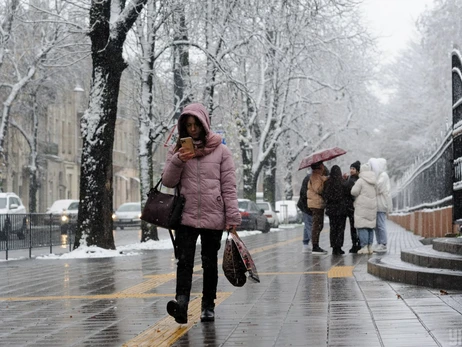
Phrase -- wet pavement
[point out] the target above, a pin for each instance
(302, 300)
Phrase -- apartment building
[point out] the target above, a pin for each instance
(59, 154)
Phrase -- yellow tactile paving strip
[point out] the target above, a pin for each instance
(165, 332)
(153, 282)
(340, 271)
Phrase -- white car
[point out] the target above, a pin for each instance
(288, 211)
(271, 214)
(127, 215)
(69, 218)
(13, 217)
(58, 208)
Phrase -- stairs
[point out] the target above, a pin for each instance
(438, 265)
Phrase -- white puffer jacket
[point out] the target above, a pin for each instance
(366, 200)
(383, 187)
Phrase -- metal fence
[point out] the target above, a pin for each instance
(34, 230)
(430, 184)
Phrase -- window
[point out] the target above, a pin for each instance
(13, 200)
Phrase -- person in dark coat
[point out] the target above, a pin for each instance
(302, 204)
(350, 182)
(336, 196)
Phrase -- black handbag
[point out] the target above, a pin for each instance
(162, 209)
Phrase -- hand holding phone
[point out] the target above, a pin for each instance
(187, 143)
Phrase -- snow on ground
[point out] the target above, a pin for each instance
(137, 248)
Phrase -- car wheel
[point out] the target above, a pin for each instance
(121, 228)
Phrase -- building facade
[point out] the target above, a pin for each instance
(59, 154)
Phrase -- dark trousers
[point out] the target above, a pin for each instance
(186, 238)
(353, 232)
(318, 224)
(337, 230)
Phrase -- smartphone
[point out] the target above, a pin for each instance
(187, 142)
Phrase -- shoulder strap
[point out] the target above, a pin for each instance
(174, 244)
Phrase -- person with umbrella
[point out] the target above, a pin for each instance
(315, 187)
(316, 204)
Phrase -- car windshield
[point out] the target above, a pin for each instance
(263, 205)
(130, 208)
(73, 206)
(60, 205)
(243, 205)
(2, 202)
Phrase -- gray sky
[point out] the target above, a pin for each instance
(394, 21)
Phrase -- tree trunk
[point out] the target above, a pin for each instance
(98, 125)
(33, 168)
(269, 178)
(181, 72)
(245, 145)
(94, 226)
(148, 44)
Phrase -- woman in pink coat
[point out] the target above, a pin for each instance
(208, 182)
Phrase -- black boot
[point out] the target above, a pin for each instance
(178, 309)
(336, 251)
(208, 312)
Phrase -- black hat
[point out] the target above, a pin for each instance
(356, 165)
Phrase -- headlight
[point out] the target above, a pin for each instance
(139, 216)
(64, 218)
(114, 217)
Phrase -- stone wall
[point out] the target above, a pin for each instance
(428, 223)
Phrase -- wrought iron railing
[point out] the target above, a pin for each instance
(34, 230)
(429, 184)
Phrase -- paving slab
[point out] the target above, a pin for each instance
(302, 300)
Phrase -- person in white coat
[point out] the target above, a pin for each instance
(384, 202)
(365, 207)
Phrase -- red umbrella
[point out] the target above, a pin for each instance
(321, 155)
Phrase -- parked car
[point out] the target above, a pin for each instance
(253, 218)
(57, 209)
(69, 218)
(288, 211)
(13, 218)
(271, 214)
(127, 215)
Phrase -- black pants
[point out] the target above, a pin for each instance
(186, 238)
(337, 230)
(353, 232)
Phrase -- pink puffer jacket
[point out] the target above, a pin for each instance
(208, 181)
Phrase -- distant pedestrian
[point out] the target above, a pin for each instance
(350, 182)
(316, 204)
(302, 204)
(365, 207)
(336, 197)
(384, 202)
